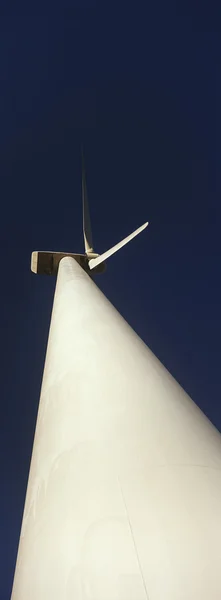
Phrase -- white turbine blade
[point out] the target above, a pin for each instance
(88, 243)
(94, 262)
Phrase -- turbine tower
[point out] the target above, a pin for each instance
(124, 492)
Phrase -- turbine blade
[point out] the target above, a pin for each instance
(94, 262)
(88, 243)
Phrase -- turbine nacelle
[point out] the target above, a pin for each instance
(46, 262)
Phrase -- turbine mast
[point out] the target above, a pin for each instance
(124, 492)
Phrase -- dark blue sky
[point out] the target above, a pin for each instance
(142, 90)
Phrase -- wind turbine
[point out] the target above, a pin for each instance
(47, 262)
(124, 491)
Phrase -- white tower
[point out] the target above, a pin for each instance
(124, 491)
